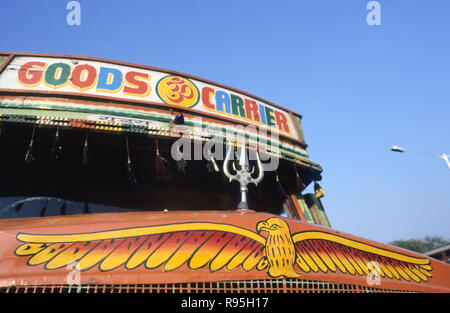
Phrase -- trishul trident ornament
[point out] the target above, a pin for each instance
(244, 174)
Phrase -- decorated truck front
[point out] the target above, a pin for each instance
(125, 177)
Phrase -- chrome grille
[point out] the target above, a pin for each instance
(239, 286)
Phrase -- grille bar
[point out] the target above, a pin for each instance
(237, 286)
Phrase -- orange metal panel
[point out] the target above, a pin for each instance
(195, 247)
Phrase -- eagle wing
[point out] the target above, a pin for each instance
(322, 251)
(167, 246)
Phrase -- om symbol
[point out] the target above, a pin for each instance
(178, 91)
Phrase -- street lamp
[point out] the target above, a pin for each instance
(442, 156)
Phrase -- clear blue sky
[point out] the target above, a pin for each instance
(360, 88)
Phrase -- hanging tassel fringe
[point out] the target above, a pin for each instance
(280, 187)
(130, 171)
(181, 166)
(285, 196)
(298, 181)
(85, 150)
(212, 164)
(160, 162)
(56, 148)
(181, 163)
(29, 157)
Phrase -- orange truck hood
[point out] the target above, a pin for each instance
(182, 247)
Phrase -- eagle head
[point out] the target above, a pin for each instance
(274, 226)
(280, 250)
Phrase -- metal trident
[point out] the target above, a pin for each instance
(244, 174)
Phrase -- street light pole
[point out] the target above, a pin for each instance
(442, 156)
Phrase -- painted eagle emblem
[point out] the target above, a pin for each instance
(272, 248)
(279, 248)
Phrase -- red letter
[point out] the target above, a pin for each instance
(206, 91)
(138, 87)
(29, 77)
(281, 121)
(78, 72)
(251, 110)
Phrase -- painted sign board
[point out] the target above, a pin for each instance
(145, 86)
